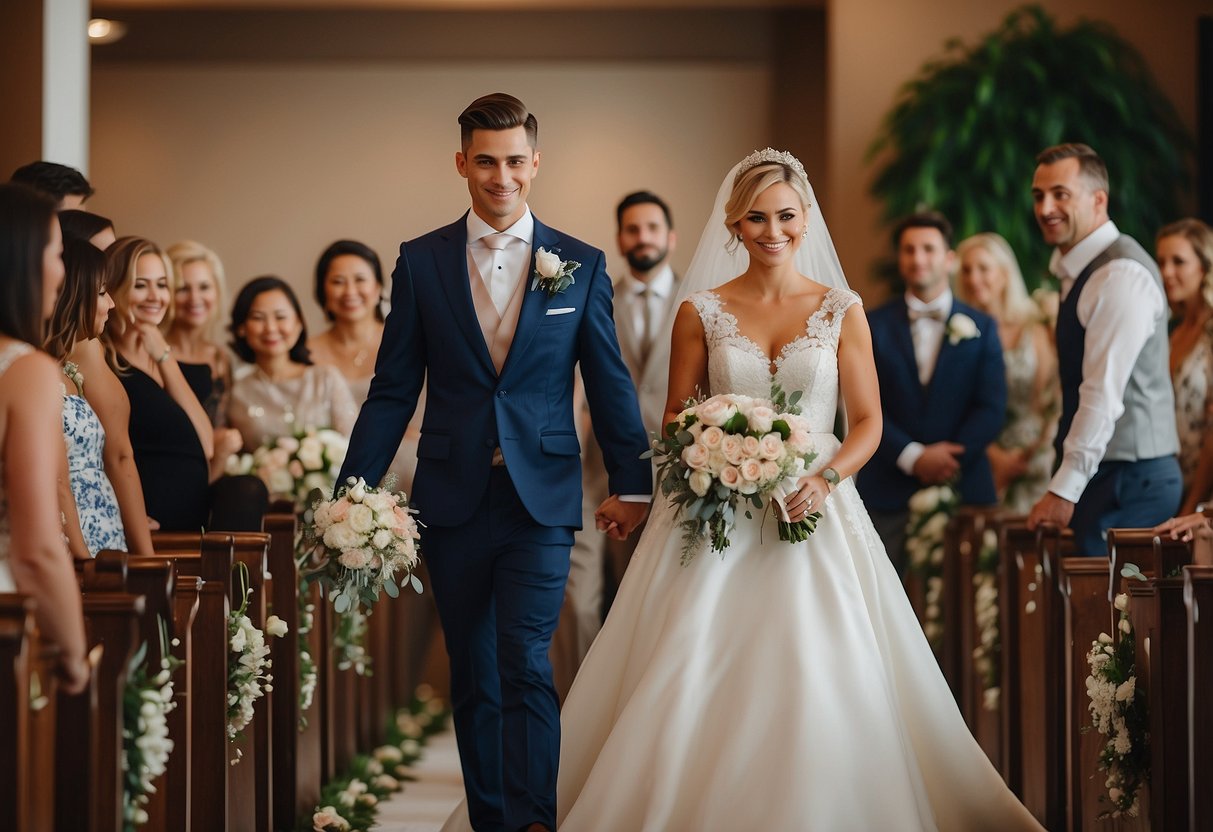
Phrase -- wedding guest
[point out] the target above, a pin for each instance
(83, 225)
(65, 185)
(169, 430)
(92, 519)
(1185, 260)
(1116, 438)
(1022, 456)
(943, 388)
(33, 558)
(349, 288)
(283, 392)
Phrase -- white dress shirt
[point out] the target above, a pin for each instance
(647, 302)
(1118, 307)
(927, 335)
(500, 269)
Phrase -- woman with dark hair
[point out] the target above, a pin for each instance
(93, 520)
(349, 288)
(33, 558)
(169, 430)
(283, 392)
(84, 225)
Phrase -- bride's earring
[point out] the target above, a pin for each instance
(805, 233)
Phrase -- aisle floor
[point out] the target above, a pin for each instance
(423, 806)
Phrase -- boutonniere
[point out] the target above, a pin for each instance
(961, 328)
(552, 274)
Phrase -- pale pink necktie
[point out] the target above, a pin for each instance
(496, 280)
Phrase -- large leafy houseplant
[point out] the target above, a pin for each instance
(963, 136)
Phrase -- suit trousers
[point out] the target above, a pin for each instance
(498, 582)
(1125, 495)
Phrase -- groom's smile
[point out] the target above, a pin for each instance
(499, 166)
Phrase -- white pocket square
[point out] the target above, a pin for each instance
(562, 311)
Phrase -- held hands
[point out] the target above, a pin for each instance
(619, 519)
(808, 498)
(1051, 509)
(939, 463)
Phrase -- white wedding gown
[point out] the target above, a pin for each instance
(776, 687)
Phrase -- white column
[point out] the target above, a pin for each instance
(65, 83)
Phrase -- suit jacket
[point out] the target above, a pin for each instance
(650, 373)
(527, 410)
(964, 402)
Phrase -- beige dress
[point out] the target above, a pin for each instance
(263, 410)
(404, 464)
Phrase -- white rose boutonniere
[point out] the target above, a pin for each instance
(961, 328)
(552, 274)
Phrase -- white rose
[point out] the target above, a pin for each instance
(924, 500)
(715, 411)
(711, 437)
(1122, 601)
(547, 263)
(275, 626)
(281, 481)
(382, 539)
(700, 482)
(770, 471)
(934, 528)
(750, 446)
(288, 443)
(799, 442)
(751, 470)
(328, 819)
(358, 492)
(354, 558)
(761, 418)
(380, 501)
(747, 487)
(695, 456)
(388, 754)
(731, 447)
(1125, 626)
(386, 783)
(1104, 638)
(239, 640)
(361, 519)
(771, 446)
(238, 464)
(341, 536)
(316, 480)
(730, 477)
(961, 328)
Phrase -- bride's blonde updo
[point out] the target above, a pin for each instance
(758, 172)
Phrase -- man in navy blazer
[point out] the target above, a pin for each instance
(943, 388)
(498, 482)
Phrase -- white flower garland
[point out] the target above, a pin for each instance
(986, 614)
(146, 744)
(930, 510)
(1118, 711)
(248, 677)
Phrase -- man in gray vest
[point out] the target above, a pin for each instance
(1116, 440)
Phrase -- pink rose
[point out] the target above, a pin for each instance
(749, 446)
(770, 471)
(800, 442)
(761, 418)
(295, 468)
(751, 470)
(354, 558)
(712, 437)
(730, 446)
(340, 510)
(696, 456)
(715, 411)
(770, 446)
(730, 477)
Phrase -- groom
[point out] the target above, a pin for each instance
(498, 483)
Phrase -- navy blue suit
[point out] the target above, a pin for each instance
(496, 539)
(964, 402)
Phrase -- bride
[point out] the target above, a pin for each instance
(778, 687)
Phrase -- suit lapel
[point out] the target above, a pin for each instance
(534, 302)
(905, 343)
(628, 337)
(451, 262)
(947, 352)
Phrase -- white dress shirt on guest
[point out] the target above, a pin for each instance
(647, 303)
(1118, 307)
(500, 270)
(926, 333)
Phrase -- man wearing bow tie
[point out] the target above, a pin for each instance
(943, 389)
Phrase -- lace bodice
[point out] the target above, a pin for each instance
(7, 356)
(736, 364)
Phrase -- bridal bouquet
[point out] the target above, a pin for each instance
(732, 450)
(292, 466)
(358, 542)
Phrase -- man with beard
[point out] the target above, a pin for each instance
(644, 318)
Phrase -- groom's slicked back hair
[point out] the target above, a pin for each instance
(497, 111)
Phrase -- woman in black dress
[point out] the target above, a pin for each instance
(169, 430)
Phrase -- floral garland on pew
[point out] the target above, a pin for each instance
(248, 664)
(930, 510)
(1119, 712)
(309, 675)
(987, 653)
(351, 803)
(146, 745)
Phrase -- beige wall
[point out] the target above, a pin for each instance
(270, 163)
(877, 45)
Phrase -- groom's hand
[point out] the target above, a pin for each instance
(619, 519)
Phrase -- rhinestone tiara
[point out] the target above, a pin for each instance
(769, 155)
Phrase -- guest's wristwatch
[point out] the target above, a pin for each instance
(831, 477)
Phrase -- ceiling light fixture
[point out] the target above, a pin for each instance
(101, 31)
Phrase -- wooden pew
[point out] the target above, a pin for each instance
(296, 769)
(1032, 663)
(16, 645)
(209, 558)
(88, 754)
(254, 796)
(1198, 601)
